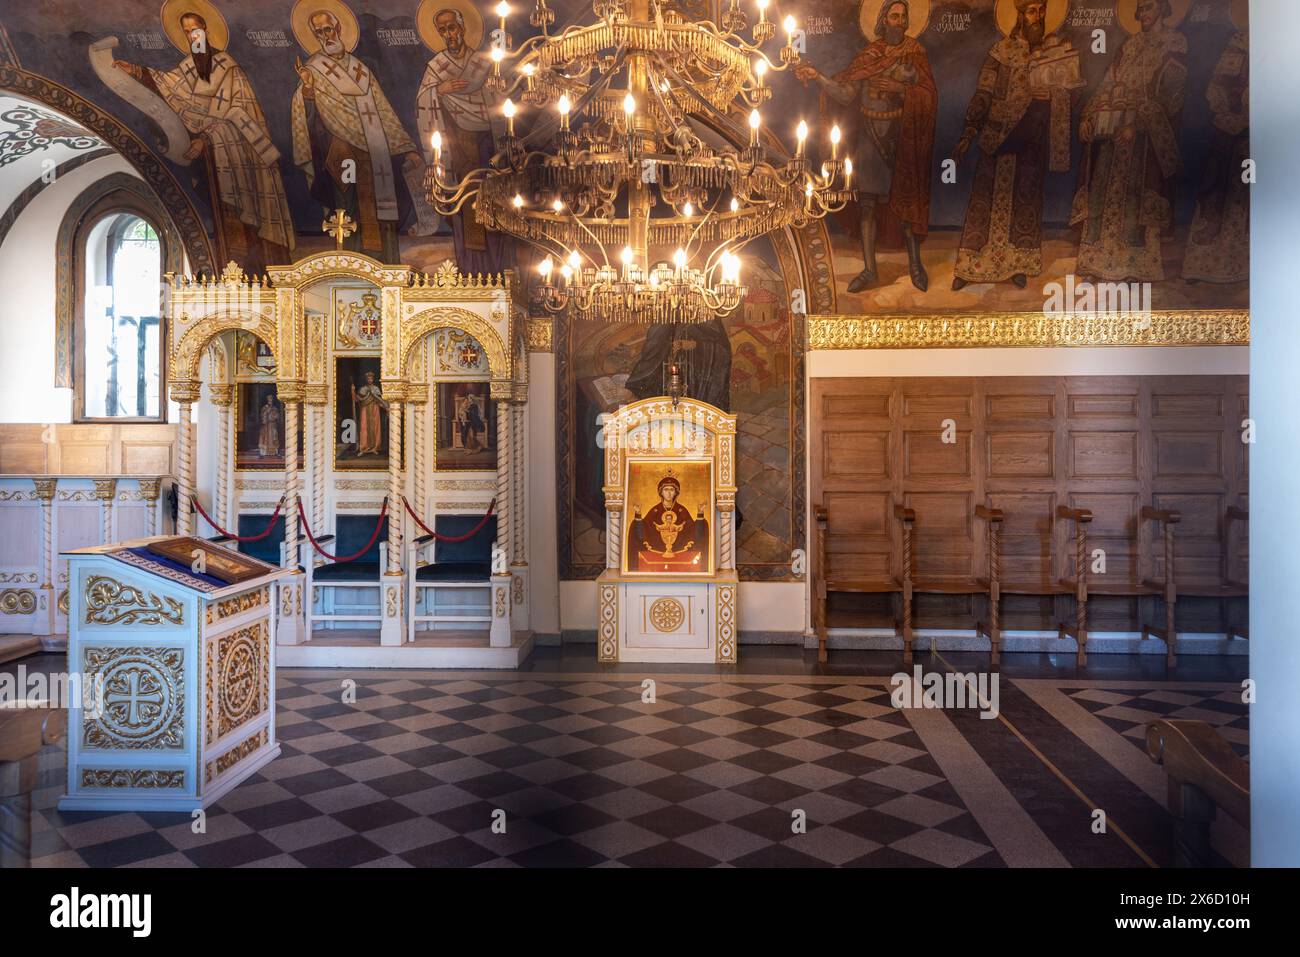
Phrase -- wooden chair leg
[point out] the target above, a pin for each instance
(907, 625)
(1081, 630)
(995, 633)
(1171, 635)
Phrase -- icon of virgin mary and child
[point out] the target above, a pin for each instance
(667, 539)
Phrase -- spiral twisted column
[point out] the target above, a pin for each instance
(185, 472)
(223, 507)
(396, 417)
(292, 486)
(505, 456)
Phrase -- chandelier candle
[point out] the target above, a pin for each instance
(628, 172)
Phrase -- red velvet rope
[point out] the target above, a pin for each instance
(306, 527)
(240, 538)
(452, 538)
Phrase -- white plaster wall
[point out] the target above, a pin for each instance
(27, 392)
(543, 557)
(1275, 458)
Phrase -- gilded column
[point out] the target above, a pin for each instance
(316, 396)
(520, 483)
(149, 489)
(418, 397)
(105, 489)
(45, 491)
(392, 630)
(222, 508)
(292, 487)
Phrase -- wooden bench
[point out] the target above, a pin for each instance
(824, 585)
(1205, 775)
(987, 586)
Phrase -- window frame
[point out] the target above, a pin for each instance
(112, 204)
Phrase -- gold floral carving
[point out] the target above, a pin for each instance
(667, 614)
(236, 754)
(17, 601)
(725, 630)
(143, 698)
(238, 604)
(1030, 330)
(501, 603)
(140, 778)
(540, 332)
(241, 676)
(607, 633)
(110, 602)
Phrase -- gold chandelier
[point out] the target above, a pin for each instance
(627, 180)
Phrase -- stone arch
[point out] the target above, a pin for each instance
(414, 329)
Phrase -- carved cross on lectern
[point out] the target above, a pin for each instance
(340, 226)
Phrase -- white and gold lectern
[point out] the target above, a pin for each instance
(669, 589)
(173, 639)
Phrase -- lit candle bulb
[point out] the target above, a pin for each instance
(754, 121)
(760, 71)
(800, 134)
(762, 10)
(626, 257)
(790, 27)
(544, 267)
(436, 142)
(848, 172)
(567, 272)
(735, 204)
(835, 140)
(558, 205)
(508, 108)
(688, 210)
(807, 193)
(497, 54)
(518, 201)
(563, 107)
(503, 11)
(679, 259)
(629, 104)
(575, 261)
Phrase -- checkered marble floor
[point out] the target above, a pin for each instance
(1128, 710)
(416, 771)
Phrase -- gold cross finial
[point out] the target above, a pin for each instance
(340, 226)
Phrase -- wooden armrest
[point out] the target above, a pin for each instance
(1074, 514)
(220, 539)
(991, 514)
(421, 542)
(819, 515)
(25, 729)
(1164, 515)
(322, 539)
(1193, 752)
(1233, 513)
(905, 513)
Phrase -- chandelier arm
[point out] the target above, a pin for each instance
(709, 27)
(708, 107)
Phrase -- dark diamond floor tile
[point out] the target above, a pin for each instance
(683, 736)
(760, 737)
(679, 760)
(313, 782)
(233, 852)
(493, 785)
(778, 855)
(429, 757)
(126, 850)
(561, 853)
(673, 822)
(593, 759)
(304, 729)
(584, 787)
(765, 762)
(466, 818)
(676, 788)
(668, 854)
(348, 754)
(266, 816)
(345, 852)
(370, 816)
(373, 732)
(512, 757)
(573, 819)
(404, 782)
(877, 826)
(767, 790)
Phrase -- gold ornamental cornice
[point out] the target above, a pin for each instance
(332, 264)
(448, 284)
(1031, 330)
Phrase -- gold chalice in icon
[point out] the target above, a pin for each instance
(668, 531)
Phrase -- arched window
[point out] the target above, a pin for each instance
(121, 354)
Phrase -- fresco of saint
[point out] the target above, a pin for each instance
(1125, 199)
(348, 140)
(231, 142)
(1020, 119)
(886, 103)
